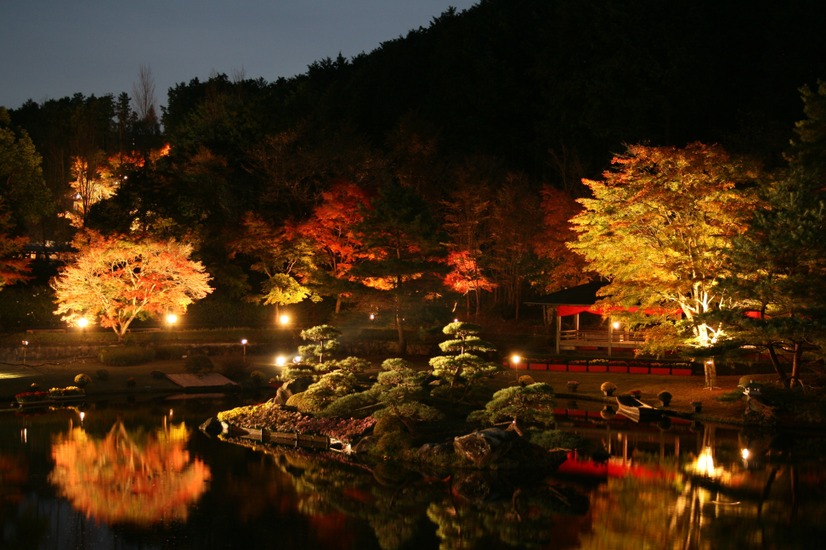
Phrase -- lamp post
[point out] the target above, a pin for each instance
(171, 319)
(82, 323)
(244, 350)
(25, 348)
(515, 360)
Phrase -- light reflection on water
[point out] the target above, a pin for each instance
(143, 476)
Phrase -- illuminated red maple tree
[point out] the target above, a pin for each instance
(120, 279)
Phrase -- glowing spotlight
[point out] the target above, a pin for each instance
(705, 463)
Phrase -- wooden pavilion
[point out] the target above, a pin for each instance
(580, 326)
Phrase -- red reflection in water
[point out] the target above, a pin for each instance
(127, 479)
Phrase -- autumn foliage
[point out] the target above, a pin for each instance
(123, 479)
(117, 280)
(658, 227)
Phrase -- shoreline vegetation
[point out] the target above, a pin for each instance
(462, 409)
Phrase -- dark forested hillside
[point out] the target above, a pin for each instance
(556, 86)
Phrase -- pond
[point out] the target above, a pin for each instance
(142, 475)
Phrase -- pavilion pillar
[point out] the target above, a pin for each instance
(610, 335)
(558, 329)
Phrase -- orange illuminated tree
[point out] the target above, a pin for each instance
(466, 277)
(466, 217)
(561, 266)
(658, 226)
(119, 279)
(331, 232)
(13, 267)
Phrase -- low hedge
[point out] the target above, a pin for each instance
(123, 356)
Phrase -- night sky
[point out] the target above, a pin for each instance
(51, 49)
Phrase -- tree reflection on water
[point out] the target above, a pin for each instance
(701, 499)
(174, 487)
(468, 509)
(136, 478)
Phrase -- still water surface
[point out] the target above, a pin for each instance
(141, 475)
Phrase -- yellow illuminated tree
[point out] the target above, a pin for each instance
(96, 179)
(658, 226)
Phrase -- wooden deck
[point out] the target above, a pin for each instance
(281, 438)
(208, 380)
(602, 338)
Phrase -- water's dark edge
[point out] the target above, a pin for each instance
(141, 475)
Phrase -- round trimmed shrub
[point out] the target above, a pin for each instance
(82, 380)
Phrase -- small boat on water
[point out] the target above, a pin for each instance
(634, 409)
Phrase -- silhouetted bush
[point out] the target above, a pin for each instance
(198, 364)
(126, 355)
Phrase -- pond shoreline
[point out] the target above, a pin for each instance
(144, 380)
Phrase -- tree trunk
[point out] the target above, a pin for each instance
(400, 327)
(778, 368)
(797, 355)
(710, 368)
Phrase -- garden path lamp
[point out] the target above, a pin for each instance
(82, 323)
(244, 350)
(516, 359)
(171, 319)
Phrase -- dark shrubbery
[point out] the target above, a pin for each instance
(198, 364)
(233, 368)
(126, 356)
(168, 352)
(258, 378)
(28, 306)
